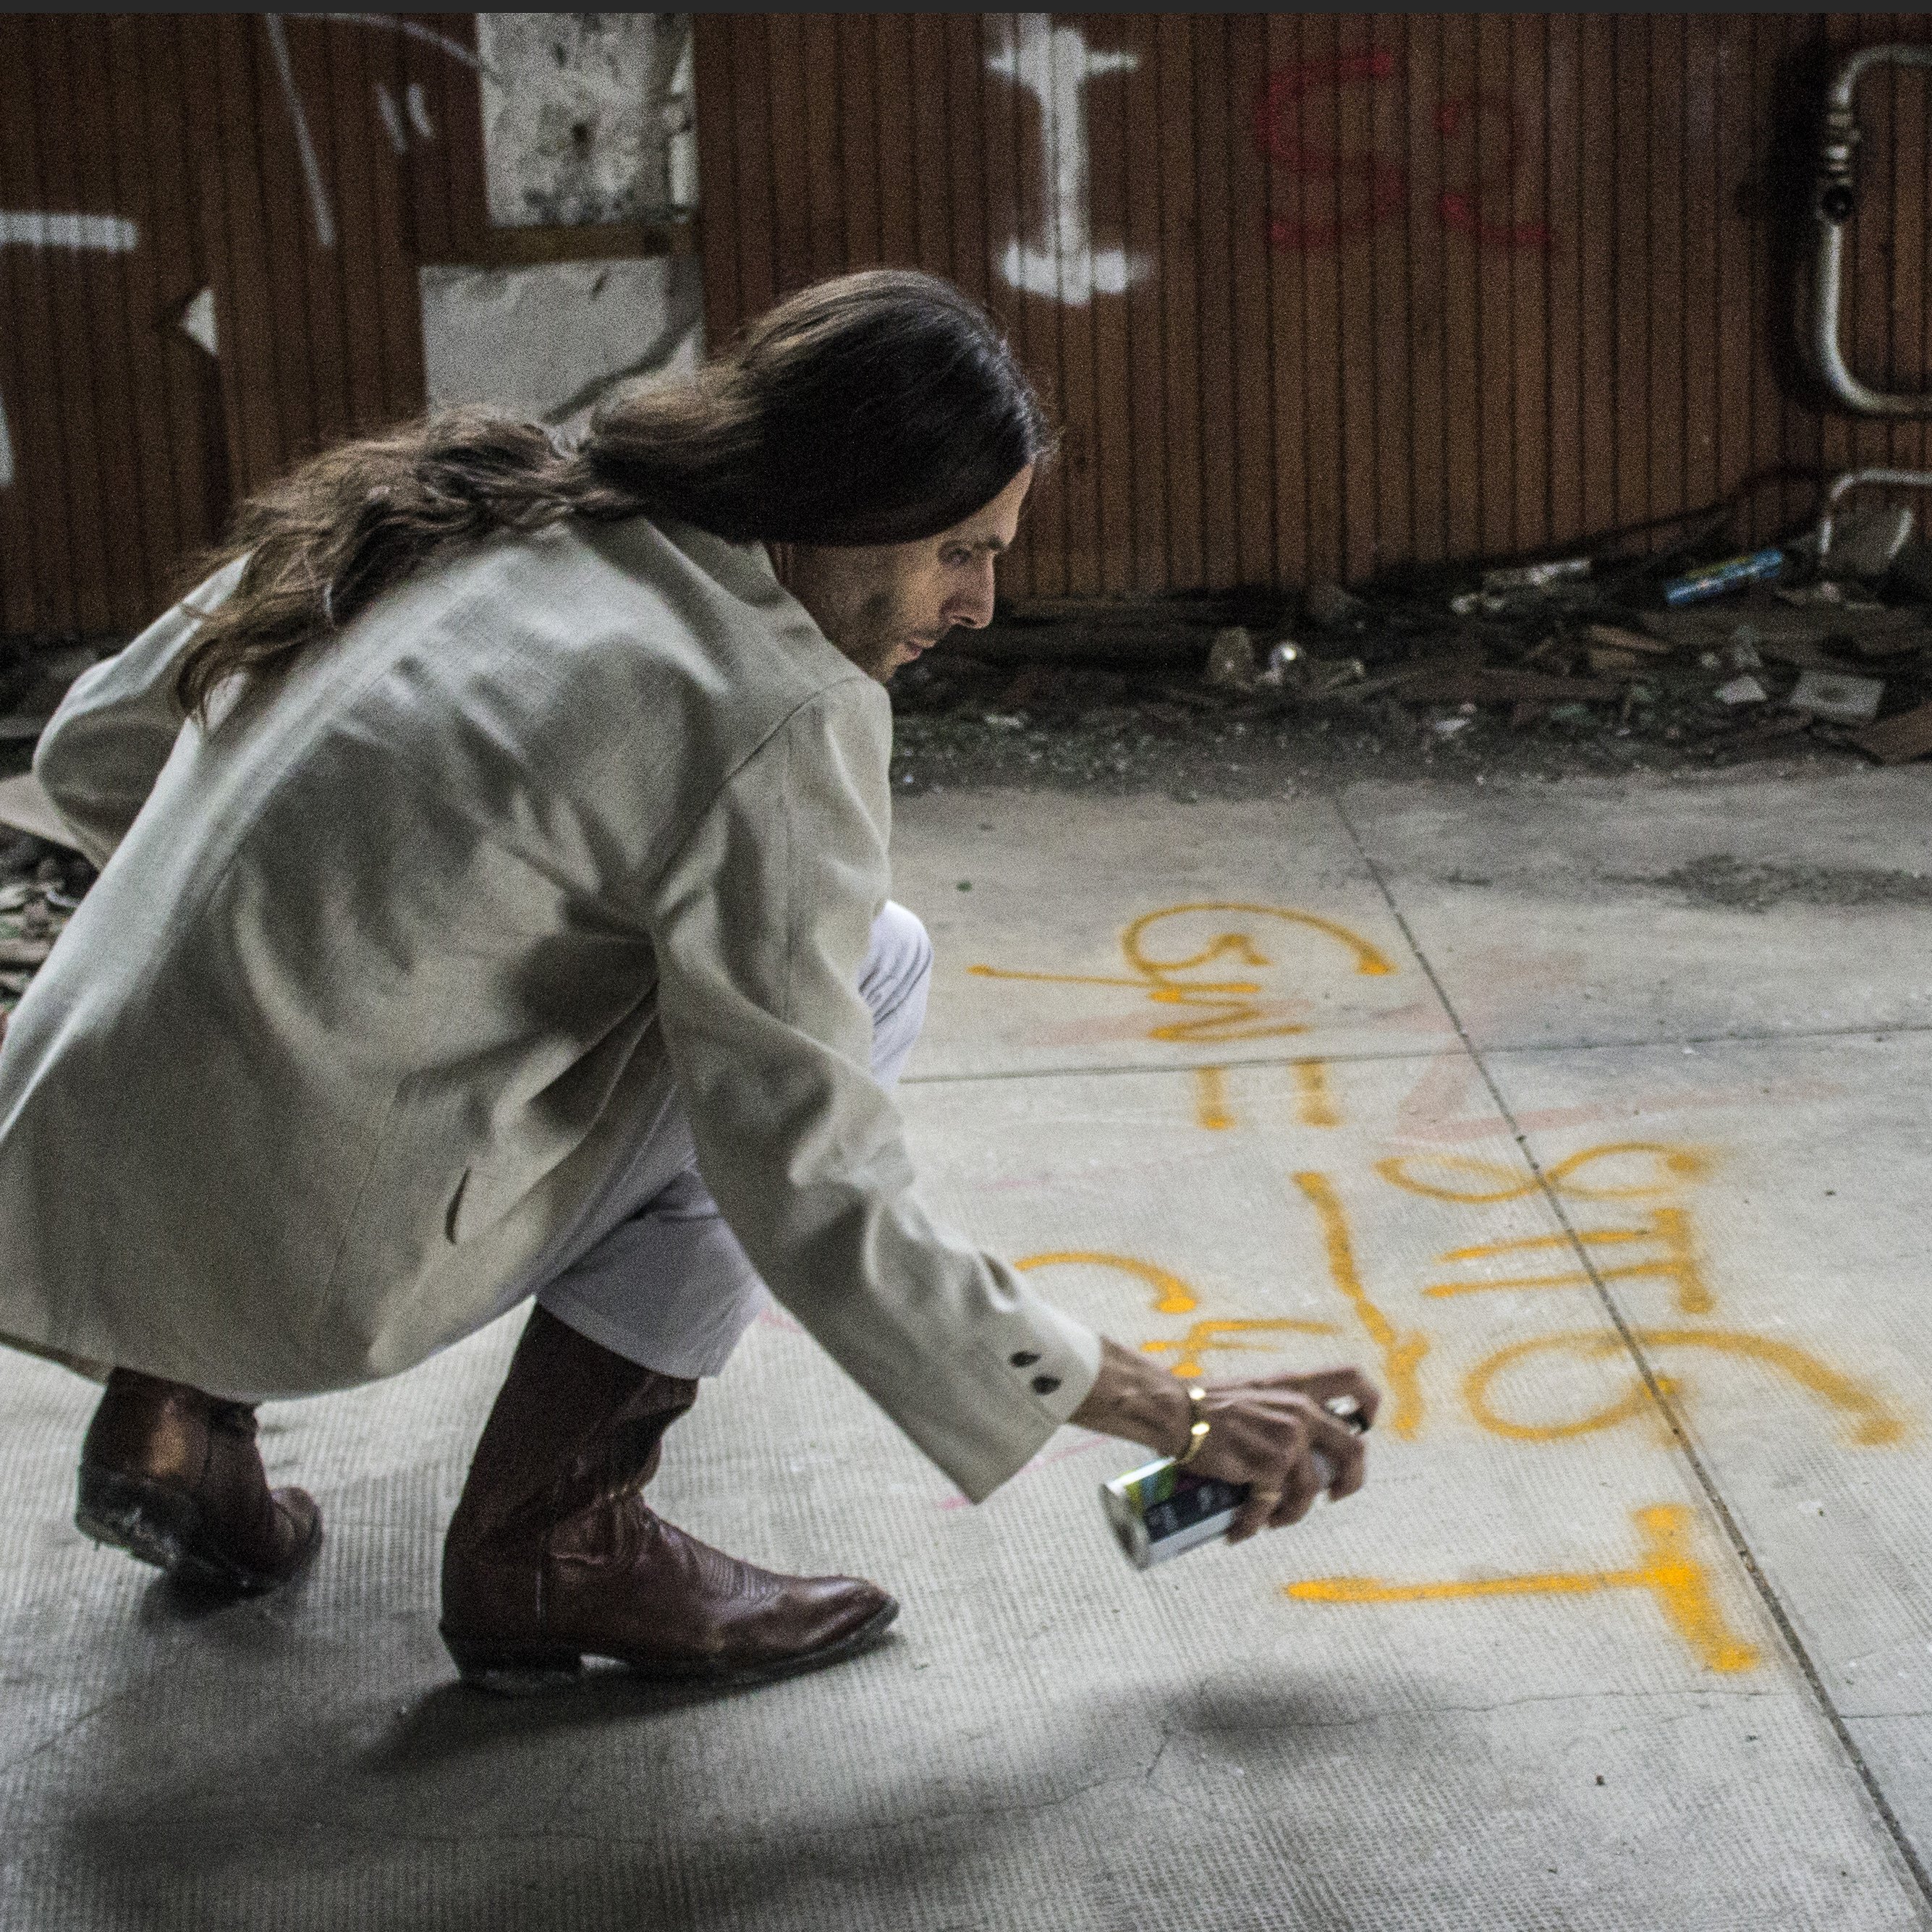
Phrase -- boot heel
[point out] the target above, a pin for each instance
(132, 1513)
(513, 1670)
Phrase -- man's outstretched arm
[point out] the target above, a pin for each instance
(1266, 1433)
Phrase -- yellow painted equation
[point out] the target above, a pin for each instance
(1666, 1568)
(1315, 1105)
(1219, 1008)
(1173, 1296)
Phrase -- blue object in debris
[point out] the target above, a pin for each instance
(1715, 579)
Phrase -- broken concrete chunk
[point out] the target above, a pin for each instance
(24, 952)
(1329, 605)
(1231, 660)
(1534, 576)
(1742, 690)
(1604, 659)
(1901, 739)
(1838, 699)
(1616, 637)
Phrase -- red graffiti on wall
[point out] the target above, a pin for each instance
(1281, 135)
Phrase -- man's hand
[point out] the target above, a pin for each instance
(1265, 1432)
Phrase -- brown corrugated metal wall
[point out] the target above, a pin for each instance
(1395, 287)
(277, 187)
(1415, 287)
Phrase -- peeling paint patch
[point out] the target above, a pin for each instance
(548, 341)
(579, 115)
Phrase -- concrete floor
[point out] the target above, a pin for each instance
(1587, 1117)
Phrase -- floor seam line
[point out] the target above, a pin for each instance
(1706, 1482)
(1875, 1033)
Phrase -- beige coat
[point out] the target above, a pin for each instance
(384, 971)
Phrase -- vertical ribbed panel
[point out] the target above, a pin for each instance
(1414, 287)
(127, 439)
(1342, 292)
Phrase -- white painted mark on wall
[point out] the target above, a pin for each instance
(1054, 65)
(391, 116)
(318, 195)
(196, 321)
(34, 228)
(419, 112)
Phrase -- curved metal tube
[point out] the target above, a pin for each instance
(1834, 199)
(1843, 484)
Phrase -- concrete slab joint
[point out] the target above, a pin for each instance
(1606, 1168)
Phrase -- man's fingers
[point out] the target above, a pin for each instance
(1255, 1513)
(1298, 1492)
(1345, 1454)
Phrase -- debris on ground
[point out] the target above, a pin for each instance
(1541, 665)
(1834, 696)
(1900, 738)
(1231, 660)
(41, 883)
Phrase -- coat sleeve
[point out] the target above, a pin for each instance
(760, 926)
(104, 749)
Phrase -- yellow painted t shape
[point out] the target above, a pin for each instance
(1666, 1567)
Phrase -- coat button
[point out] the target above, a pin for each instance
(1045, 1384)
(1025, 1358)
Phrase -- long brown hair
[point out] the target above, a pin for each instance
(877, 408)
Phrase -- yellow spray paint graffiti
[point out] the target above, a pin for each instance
(1496, 1182)
(1872, 1424)
(1666, 1567)
(1206, 1335)
(1315, 1102)
(1402, 1354)
(1210, 1098)
(1174, 1295)
(1316, 1106)
(1678, 1263)
(1223, 1009)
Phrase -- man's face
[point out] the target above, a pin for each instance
(884, 604)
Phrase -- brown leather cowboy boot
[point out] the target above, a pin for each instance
(173, 1476)
(553, 1555)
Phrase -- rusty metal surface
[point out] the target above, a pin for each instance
(209, 231)
(1316, 295)
(1312, 296)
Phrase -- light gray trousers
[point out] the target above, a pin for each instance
(662, 1281)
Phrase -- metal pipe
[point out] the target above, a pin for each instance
(1843, 484)
(1834, 201)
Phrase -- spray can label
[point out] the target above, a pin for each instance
(1715, 579)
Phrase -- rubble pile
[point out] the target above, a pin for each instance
(1571, 664)
(41, 885)
(1725, 654)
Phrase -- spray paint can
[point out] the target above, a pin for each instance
(1715, 579)
(1161, 1510)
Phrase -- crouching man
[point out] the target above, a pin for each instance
(493, 908)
